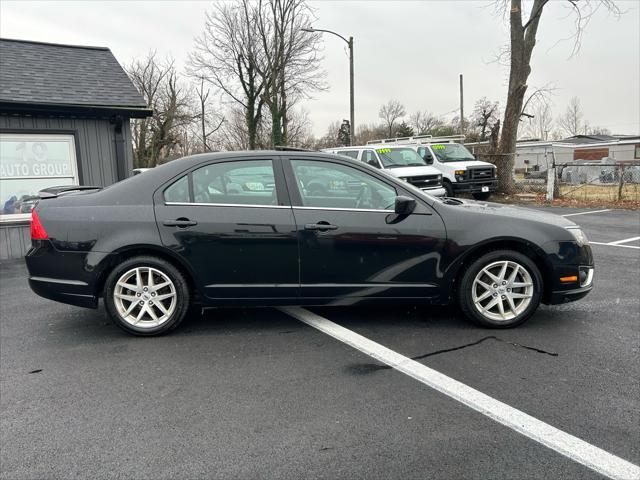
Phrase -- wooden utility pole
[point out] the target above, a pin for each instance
(461, 106)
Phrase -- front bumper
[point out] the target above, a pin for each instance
(475, 186)
(435, 192)
(565, 296)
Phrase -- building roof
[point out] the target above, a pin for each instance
(579, 139)
(68, 76)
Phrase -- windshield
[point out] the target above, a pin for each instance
(451, 152)
(399, 157)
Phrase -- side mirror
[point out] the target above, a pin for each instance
(404, 205)
(428, 159)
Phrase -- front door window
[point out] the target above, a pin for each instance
(332, 185)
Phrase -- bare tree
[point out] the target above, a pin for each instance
(424, 122)
(485, 114)
(209, 122)
(369, 132)
(228, 54)
(572, 122)
(291, 68)
(390, 113)
(155, 138)
(596, 130)
(541, 123)
(523, 31)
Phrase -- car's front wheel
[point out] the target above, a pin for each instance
(146, 296)
(501, 289)
(448, 188)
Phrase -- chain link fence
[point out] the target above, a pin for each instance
(586, 181)
(553, 174)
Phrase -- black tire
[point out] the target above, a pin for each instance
(466, 285)
(481, 195)
(182, 296)
(446, 184)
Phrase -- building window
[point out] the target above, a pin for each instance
(636, 152)
(30, 163)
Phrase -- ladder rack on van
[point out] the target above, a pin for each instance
(419, 139)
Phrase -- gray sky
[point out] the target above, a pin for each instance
(408, 50)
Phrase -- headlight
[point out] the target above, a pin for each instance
(460, 172)
(439, 178)
(579, 235)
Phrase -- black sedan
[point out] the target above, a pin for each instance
(183, 236)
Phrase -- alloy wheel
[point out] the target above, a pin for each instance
(502, 290)
(145, 297)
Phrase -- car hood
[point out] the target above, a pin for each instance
(412, 171)
(469, 163)
(512, 211)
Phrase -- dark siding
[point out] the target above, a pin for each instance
(14, 240)
(95, 141)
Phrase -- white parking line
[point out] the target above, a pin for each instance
(578, 450)
(614, 245)
(586, 213)
(626, 240)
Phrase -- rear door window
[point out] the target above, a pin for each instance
(239, 183)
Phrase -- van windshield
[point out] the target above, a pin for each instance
(399, 157)
(451, 152)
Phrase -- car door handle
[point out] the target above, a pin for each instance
(320, 226)
(180, 223)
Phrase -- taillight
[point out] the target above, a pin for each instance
(37, 230)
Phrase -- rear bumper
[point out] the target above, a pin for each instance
(64, 291)
(475, 186)
(67, 277)
(435, 192)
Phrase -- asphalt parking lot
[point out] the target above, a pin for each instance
(256, 393)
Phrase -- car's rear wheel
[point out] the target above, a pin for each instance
(501, 289)
(146, 296)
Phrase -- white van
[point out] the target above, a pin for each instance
(400, 161)
(460, 170)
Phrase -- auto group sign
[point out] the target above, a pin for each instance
(25, 157)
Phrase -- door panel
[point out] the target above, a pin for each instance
(239, 238)
(368, 251)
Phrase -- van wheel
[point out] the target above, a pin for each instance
(500, 289)
(146, 296)
(481, 195)
(446, 184)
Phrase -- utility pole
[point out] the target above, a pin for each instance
(352, 127)
(461, 106)
(352, 133)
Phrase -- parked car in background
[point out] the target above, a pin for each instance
(461, 171)
(154, 245)
(401, 162)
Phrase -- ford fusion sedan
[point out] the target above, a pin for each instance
(294, 228)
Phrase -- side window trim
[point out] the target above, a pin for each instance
(282, 192)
